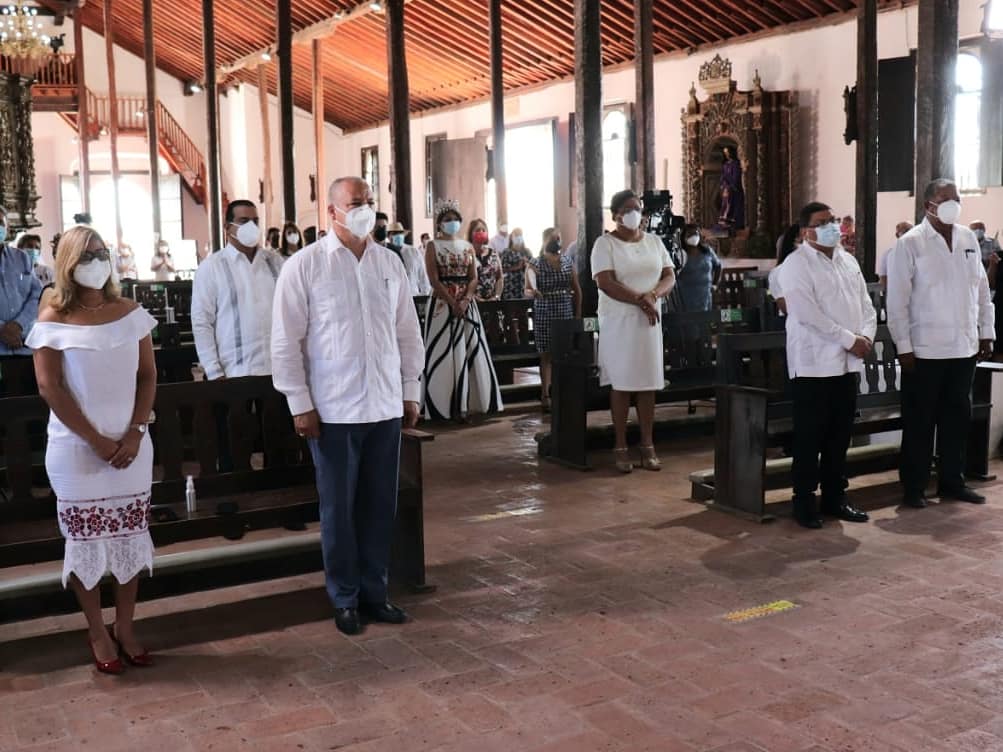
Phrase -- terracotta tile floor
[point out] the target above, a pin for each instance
(574, 611)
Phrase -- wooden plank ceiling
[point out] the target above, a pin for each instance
(447, 42)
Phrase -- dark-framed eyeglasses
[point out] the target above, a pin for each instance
(101, 254)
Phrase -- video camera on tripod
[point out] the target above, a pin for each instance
(668, 226)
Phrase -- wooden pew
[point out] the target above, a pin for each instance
(272, 484)
(755, 413)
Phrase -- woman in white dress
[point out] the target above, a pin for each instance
(459, 378)
(95, 368)
(633, 272)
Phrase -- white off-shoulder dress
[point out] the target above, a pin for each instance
(103, 512)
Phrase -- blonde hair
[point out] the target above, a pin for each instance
(71, 246)
(516, 231)
(547, 235)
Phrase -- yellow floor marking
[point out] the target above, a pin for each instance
(758, 612)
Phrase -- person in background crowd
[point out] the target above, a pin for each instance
(459, 378)
(515, 260)
(32, 245)
(633, 272)
(499, 243)
(95, 369)
(162, 264)
(988, 247)
(321, 234)
(425, 237)
(310, 235)
(380, 230)
(83, 218)
(350, 408)
(900, 229)
(700, 274)
(272, 238)
(786, 245)
(848, 235)
(941, 319)
(290, 239)
(49, 290)
(490, 279)
(571, 252)
(830, 330)
(552, 283)
(125, 262)
(411, 257)
(20, 290)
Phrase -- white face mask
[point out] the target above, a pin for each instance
(93, 274)
(631, 220)
(503, 229)
(949, 212)
(516, 241)
(828, 235)
(359, 221)
(248, 234)
(693, 240)
(293, 238)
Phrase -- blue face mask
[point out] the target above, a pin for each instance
(397, 241)
(34, 255)
(827, 235)
(3, 233)
(451, 227)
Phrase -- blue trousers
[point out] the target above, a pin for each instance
(356, 465)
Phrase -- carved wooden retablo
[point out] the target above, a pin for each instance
(17, 153)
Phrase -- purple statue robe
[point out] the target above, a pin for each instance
(732, 196)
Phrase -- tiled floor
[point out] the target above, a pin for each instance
(574, 611)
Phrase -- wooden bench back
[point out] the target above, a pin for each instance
(507, 325)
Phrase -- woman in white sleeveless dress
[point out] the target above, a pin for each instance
(633, 272)
(459, 377)
(95, 368)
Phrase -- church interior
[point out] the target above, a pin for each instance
(557, 592)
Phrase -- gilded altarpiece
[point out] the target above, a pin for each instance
(17, 152)
(759, 129)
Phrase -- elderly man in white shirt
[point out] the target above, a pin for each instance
(900, 229)
(347, 353)
(941, 317)
(500, 241)
(830, 328)
(411, 257)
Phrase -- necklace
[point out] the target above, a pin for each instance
(93, 308)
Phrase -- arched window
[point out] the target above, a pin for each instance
(967, 118)
(614, 153)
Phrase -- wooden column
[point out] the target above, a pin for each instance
(498, 111)
(213, 195)
(867, 137)
(266, 146)
(400, 121)
(936, 59)
(109, 47)
(588, 143)
(285, 51)
(318, 131)
(152, 113)
(83, 114)
(644, 84)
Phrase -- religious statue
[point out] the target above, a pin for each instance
(730, 193)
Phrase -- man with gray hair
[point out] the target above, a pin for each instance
(20, 290)
(941, 318)
(347, 353)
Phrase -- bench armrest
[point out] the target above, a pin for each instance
(739, 389)
(990, 365)
(416, 435)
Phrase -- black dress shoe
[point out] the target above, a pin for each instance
(812, 523)
(347, 620)
(806, 512)
(964, 493)
(916, 501)
(387, 613)
(845, 511)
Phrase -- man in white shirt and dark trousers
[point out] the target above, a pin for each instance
(941, 318)
(347, 353)
(830, 327)
(232, 308)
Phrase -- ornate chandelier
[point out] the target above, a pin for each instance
(21, 40)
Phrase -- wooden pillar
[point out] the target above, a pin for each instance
(318, 132)
(644, 84)
(152, 114)
(400, 121)
(109, 47)
(937, 56)
(285, 51)
(214, 196)
(498, 111)
(867, 136)
(588, 143)
(83, 115)
(266, 146)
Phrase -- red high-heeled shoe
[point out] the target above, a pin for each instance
(142, 660)
(113, 667)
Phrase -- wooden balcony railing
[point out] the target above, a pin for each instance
(58, 70)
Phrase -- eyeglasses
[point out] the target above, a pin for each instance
(823, 223)
(101, 254)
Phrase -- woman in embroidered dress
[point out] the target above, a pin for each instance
(459, 378)
(490, 279)
(515, 259)
(95, 369)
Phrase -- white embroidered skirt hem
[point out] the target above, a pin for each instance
(124, 558)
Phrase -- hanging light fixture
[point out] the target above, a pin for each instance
(992, 22)
(21, 39)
